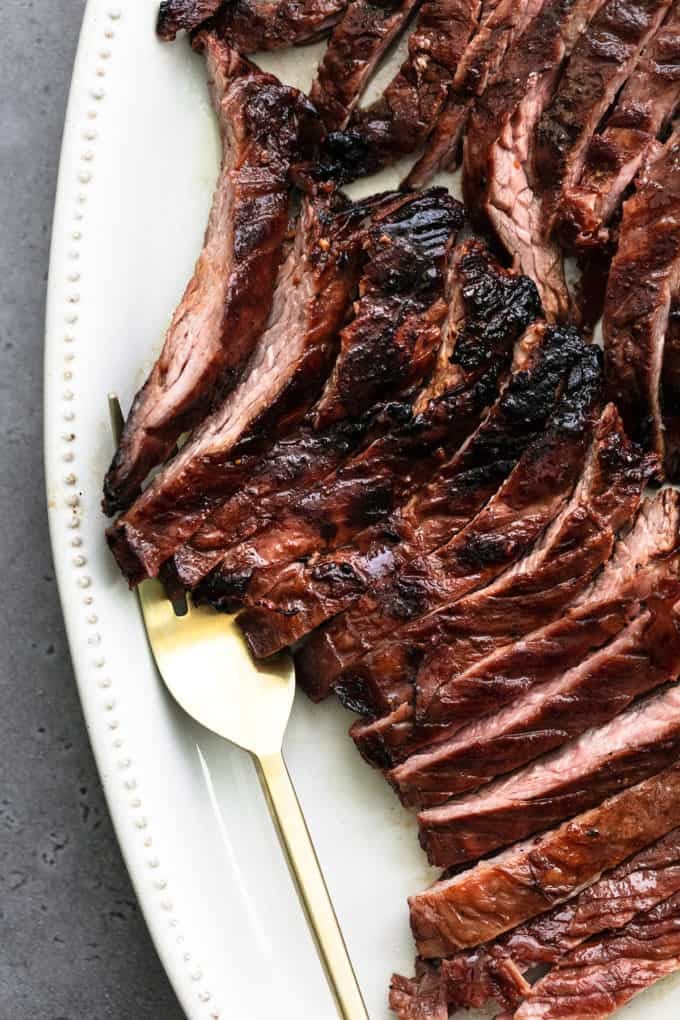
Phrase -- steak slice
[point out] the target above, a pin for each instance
(501, 24)
(363, 35)
(670, 393)
(602, 60)
(252, 25)
(604, 974)
(644, 561)
(291, 601)
(498, 151)
(395, 628)
(463, 484)
(285, 372)
(401, 118)
(390, 346)
(614, 156)
(575, 546)
(177, 15)
(224, 308)
(637, 744)
(423, 998)
(276, 481)
(488, 310)
(442, 147)
(384, 351)
(495, 970)
(518, 884)
(643, 656)
(538, 585)
(644, 275)
(556, 19)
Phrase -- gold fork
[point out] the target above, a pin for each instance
(205, 665)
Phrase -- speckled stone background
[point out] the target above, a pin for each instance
(73, 945)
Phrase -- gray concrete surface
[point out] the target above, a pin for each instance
(73, 945)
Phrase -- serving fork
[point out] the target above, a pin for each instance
(203, 661)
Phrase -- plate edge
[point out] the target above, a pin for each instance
(101, 22)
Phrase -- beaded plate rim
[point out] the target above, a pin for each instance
(102, 27)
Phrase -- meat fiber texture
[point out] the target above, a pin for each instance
(634, 745)
(602, 60)
(645, 562)
(281, 381)
(643, 656)
(497, 970)
(644, 277)
(403, 116)
(498, 894)
(498, 155)
(500, 24)
(577, 543)
(605, 973)
(251, 25)
(355, 48)
(373, 642)
(386, 352)
(225, 306)
(478, 632)
(616, 152)
(476, 344)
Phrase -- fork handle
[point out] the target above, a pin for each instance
(306, 873)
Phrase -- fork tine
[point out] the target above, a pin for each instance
(116, 416)
(178, 599)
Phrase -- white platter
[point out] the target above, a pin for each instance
(139, 161)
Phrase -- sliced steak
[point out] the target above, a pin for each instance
(356, 45)
(537, 586)
(670, 393)
(290, 601)
(488, 310)
(499, 143)
(363, 490)
(401, 118)
(442, 148)
(462, 485)
(644, 275)
(385, 350)
(637, 744)
(614, 156)
(602, 60)
(518, 884)
(277, 480)
(388, 347)
(557, 570)
(501, 24)
(411, 613)
(394, 628)
(643, 656)
(605, 973)
(177, 15)
(252, 25)
(644, 561)
(423, 998)
(495, 970)
(556, 20)
(284, 374)
(225, 306)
